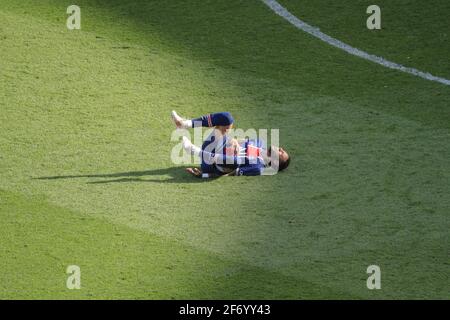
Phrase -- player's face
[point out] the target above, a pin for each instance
(282, 154)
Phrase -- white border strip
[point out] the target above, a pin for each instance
(284, 13)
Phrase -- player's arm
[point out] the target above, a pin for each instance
(210, 157)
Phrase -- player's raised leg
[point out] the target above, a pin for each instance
(218, 119)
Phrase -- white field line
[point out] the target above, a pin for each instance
(284, 13)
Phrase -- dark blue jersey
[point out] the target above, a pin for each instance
(251, 151)
(219, 156)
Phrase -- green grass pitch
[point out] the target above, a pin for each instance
(86, 177)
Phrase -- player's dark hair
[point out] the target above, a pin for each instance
(284, 164)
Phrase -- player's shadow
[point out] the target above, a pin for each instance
(165, 175)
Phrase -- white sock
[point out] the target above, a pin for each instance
(196, 151)
(185, 124)
(191, 148)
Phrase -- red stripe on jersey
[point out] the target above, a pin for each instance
(253, 151)
(209, 120)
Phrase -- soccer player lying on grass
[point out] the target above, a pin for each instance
(221, 155)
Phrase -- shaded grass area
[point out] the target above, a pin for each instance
(367, 185)
(40, 241)
(246, 36)
(268, 47)
(414, 33)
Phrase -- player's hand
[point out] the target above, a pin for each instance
(234, 145)
(196, 172)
